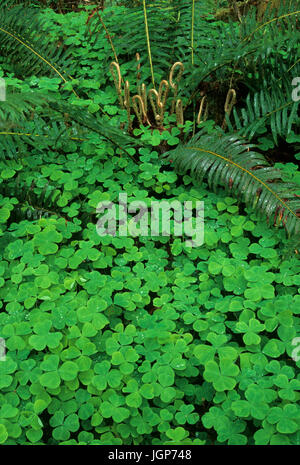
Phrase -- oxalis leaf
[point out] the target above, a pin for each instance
(222, 376)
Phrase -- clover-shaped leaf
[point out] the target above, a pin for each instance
(43, 336)
(222, 376)
(177, 434)
(250, 331)
(286, 418)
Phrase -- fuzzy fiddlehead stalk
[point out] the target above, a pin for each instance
(116, 75)
(163, 94)
(142, 91)
(157, 106)
(139, 109)
(229, 103)
(127, 104)
(175, 81)
(203, 104)
(179, 112)
(138, 66)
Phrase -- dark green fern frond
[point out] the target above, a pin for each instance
(128, 32)
(87, 120)
(32, 201)
(227, 161)
(17, 106)
(22, 124)
(276, 21)
(271, 68)
(192, 22)
(274, 107)
(39, 120)
(17, 112)
(15, 144)
(25, 49)
(245, 48)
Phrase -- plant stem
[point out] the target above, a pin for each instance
(192, 40)
(148, 42)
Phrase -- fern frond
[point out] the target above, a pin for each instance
(99, 125)
(285, 16)
(24, 117)
(23, 47)
(16, 115)
(18, 105)
(270, 68)
(274, 107)
(227, 161)
(246, 47)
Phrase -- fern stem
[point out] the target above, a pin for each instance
(109, 37)
(6, 133)
(148, 41)
(192, 39)
(269, 22)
